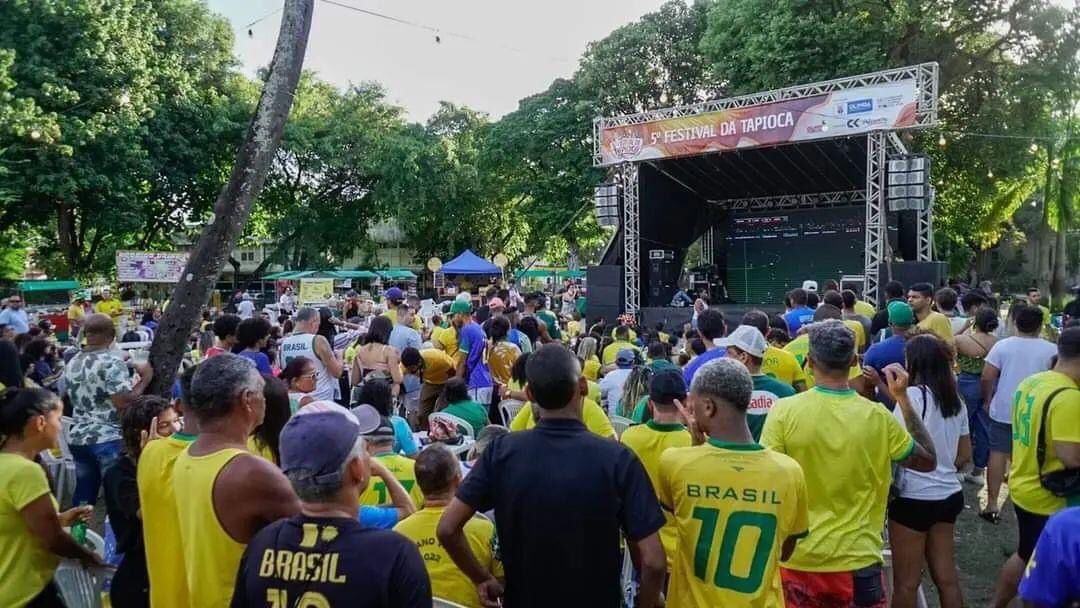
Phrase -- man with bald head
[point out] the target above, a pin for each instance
(99, 384)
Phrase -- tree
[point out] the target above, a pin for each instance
(233, 205)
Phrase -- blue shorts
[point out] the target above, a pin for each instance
(1000, 437)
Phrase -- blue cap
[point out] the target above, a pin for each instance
(394, 293)
(626, 358)
(318, 440)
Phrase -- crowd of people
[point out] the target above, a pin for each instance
(512, 454)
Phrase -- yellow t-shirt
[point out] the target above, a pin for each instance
(594, 391)
(262, 451)
(573, 330)
(782, 365)
(846, 445)
(26, 566)
(632, 335)
(391, 314)
(648, 441)
(859, 331)
(76, 313)
(591, 368)
(448, 582)
(592, 415)
(612, 351)
(446, 339)
(938, 324)
(161, 527)
(865, 309)
(1062, 424)
(211, 556)
(112, 307)
(438, 366)
(734, 505)
(404, 470)
(800, 348)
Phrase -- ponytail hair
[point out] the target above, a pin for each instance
(19, 405)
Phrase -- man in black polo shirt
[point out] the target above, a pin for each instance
(561, 497)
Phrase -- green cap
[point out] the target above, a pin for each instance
(900, 314)
(460, 307)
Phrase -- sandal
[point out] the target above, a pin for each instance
(991, 516)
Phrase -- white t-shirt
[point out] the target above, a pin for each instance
(611, 388)
(942, 482)
(1016, 358)
(246, 309)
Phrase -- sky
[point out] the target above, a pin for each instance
(492, 52)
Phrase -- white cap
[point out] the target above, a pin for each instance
(809, 285)
(746, 338)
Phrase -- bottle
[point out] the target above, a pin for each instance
(78, 529)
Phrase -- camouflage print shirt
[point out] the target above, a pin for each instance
(91, 378)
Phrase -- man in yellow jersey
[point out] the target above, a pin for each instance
(161, 531)
(76, 313)
(846, 446)
(380, 446)
(110, 306)
(777, 362)
(739, 508)
(593, 417)
(1046, 416)
(622, 342)
(323, 556)
(920, 296)
(434, 368)
(438, 473)
(800, 348)
(224, 494)
(664, 430)
(834, 299)
(395, 298)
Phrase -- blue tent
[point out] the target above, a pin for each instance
(469, 263)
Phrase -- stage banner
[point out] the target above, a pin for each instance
(150, 266)
(836, 114)
(316, 290)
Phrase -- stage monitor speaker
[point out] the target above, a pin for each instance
(660, 295)
(663, 272)
(605, 292)
(909, 273)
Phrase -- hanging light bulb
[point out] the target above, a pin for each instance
(1034, 147)
(990, 174)
(941, 140)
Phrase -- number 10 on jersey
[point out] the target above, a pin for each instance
(737, 521)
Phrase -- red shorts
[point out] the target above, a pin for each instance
(827, 590)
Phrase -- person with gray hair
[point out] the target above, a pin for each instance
(305, 342)
(225, 494)
(846, 445)
(696, 484)
(323, 555)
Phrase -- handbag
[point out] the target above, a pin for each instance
(899, 471)
(1066, 482)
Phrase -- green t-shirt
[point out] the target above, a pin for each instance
(767, 391)
(552, 323)
(471, 412)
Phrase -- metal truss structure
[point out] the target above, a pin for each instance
(794, 201)
(880, 145)
(707, 241)
(628, 176)
(925, 76)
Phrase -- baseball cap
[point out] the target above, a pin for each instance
(809, 285)
(460, 307)
(494, 303)
(900, 314)
(394, 293)
(667, 385)
(351, 293)
(625, 358)
(747, 339)
(384, 429)
(367, 417)
(327, 425)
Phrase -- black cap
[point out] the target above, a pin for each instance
(667, 385)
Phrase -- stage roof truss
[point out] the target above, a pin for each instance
(793, 201)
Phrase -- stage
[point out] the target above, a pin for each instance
(674, 317)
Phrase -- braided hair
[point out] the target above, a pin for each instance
(20, 405)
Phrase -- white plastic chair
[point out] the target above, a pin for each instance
(81, 587)
(509, 409)
(463, 424)
(620, 424)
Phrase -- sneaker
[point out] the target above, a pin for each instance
(976, 478)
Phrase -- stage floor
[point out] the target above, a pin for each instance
(673, 317)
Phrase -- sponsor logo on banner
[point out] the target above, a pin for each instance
(627, 146)
(860, 105)
(889, 102)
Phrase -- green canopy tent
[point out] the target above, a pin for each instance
(58, 285)
(293, 275)
(543, 273)
(396, 274)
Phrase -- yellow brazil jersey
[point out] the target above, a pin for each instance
(26, 566)
(446, 339)
(612, 351)
(782, 365)
(939, 324)
(865, 309)
(859, 331)
(417, 324)
(404, 470)
(592, 415)
(846, 446)
(161, 527)
(211, 556)
(76, 312)
(111, 307)
(594, 391)
(591, 368)
(800, 347)
(648, 441)
(448, 582)
(1062, 424)
(261, 450)
(438, 366)
(734, 505)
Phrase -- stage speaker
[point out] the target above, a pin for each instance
(605, 292)
(909, 273)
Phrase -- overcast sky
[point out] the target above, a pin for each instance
(514, 48)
